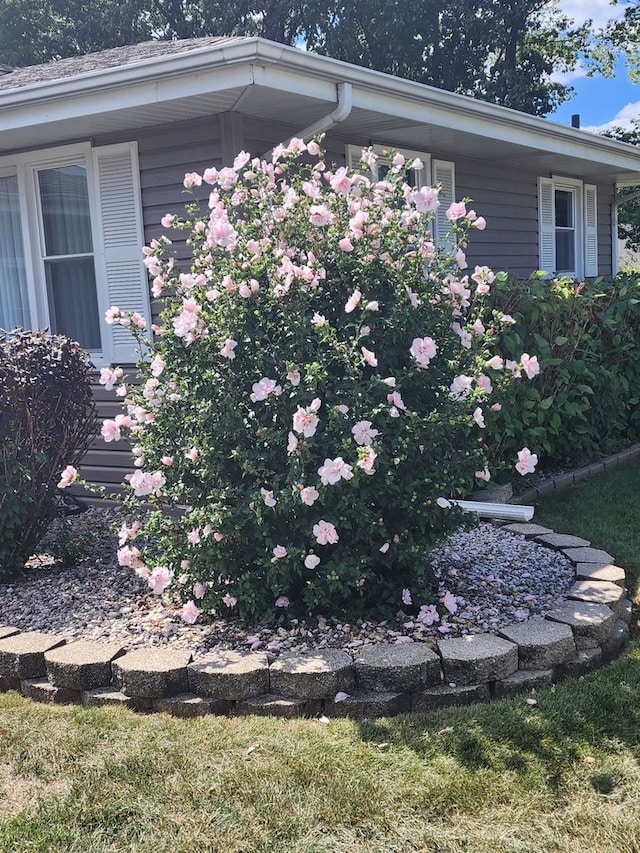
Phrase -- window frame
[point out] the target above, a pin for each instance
(575, 188)
(25, 166)
(10, 170)
(584, 233)
(46, 260)
(425, 177)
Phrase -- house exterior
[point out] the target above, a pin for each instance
(93, 151)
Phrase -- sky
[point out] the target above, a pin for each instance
(601, 103)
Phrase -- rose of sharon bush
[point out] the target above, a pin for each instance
(321, 377)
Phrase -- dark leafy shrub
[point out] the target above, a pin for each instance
(586, 335)
(47, 420)
(68, 545)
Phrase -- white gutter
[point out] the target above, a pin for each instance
(499, 122)
(308, 64)
(148, 70)
(505, 512)
(341, 112)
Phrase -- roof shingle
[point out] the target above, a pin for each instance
(113, 57)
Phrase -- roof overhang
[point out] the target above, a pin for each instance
(281, 83)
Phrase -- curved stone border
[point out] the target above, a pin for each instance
(588, 629)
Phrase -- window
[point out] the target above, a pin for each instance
(433, 172)
(568, 227)
(67, 253)
(70, 244)
(14, 301)
(414, 177)
(565, 222)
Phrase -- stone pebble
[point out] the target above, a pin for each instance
(496, 578)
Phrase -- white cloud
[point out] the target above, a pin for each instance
(623, 118)
(567, 77)
(599, 11)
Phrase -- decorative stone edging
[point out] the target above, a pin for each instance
(570, 478)
(588, 629)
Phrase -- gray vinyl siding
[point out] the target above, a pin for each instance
(506, 197)
(106, 463)
(164, 158)
(508, 200)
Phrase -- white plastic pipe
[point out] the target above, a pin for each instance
(342, 111)
(506, 512)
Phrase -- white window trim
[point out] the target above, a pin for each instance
(427, 176)
(576, 187)
(423, 176)
(579, 189)
(25, 166)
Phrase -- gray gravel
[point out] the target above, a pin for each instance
(493, 578)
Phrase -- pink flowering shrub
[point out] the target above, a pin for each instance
(320, 381)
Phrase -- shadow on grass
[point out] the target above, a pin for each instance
(606, 511)
(597, 713)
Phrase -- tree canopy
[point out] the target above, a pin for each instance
(620, 38)
(496, 51)
(500, 52)
(31, 33)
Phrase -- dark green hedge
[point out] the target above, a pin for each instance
(586, 335)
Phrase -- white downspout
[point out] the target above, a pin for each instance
(506, 512)
(341, 112)
(615, 260)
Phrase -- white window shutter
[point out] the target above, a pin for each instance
(546, 225)
(119, 207)
(443, 173)
(591, 230)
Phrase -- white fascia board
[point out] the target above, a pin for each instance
(470, 116)
(290, 69)
(283, 79)
(138, 93)
(395, 96)
(630, 180)
(209, 58)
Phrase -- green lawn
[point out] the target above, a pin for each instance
(606, 511)
(563, 775)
